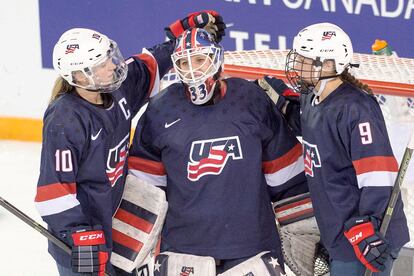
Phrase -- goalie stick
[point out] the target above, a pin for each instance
(39, 228)
(395, 191)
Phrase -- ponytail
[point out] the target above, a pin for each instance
(60, 88)
(347, 77)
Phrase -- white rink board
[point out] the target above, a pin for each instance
(23, 250)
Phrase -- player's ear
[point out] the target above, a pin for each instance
(80, 78)
(328, 66)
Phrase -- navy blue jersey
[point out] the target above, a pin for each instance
(350, 166)
(85, 149)
(220, 165)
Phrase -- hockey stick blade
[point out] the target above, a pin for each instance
(395, 191)
(39, 228)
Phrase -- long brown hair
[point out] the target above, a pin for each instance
(347, 77)
(60, 88)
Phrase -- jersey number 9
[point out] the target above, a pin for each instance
(365, 132)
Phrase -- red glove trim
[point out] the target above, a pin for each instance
(177, 28)
(362, 259)
(289, 93)
(359, 232)
(191, 19)
(103, 259)
(88, 238)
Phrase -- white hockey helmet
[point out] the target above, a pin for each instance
(87, 52)
(319, 42)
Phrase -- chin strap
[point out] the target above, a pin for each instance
(323, 81)
(317, 92)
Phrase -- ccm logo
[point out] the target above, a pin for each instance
(91, 237)
(356, 237)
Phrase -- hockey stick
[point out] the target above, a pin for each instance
(39, 228)
(395, 191)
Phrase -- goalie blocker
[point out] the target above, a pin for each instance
(300, 236)
(137, 223)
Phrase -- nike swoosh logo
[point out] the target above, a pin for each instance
(167, 125)
(94, 137)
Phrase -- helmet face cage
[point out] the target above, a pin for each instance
(99, 76)
(312, 47)
(197, 60)
(211, 60)
(302, 73)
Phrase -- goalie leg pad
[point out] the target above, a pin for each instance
(300, 236)
(137, 223)
(174, 264)
(263, 264)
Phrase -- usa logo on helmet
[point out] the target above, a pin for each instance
(211, 156)
(71, 48)
(311, 158)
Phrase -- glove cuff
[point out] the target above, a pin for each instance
(176, 28)
(85, 237)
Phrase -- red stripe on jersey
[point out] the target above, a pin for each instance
(134, 221)
(285, 160)
(127, 241)
(375, 163)
(55, 190)
(152, 66)
(145, 165)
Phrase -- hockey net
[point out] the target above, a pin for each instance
(391, 78)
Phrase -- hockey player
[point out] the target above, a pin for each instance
(86, 139)
(349, 163)
(221, 151)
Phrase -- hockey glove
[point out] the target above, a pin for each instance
(89, 253)
(278, 92)
(210, 20)
(369, 245)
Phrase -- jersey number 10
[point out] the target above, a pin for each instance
(63, 161)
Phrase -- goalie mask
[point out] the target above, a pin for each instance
(89, 60)
(313, 47)
(197, 60)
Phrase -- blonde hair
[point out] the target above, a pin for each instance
(347, 77)
(60, 88)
